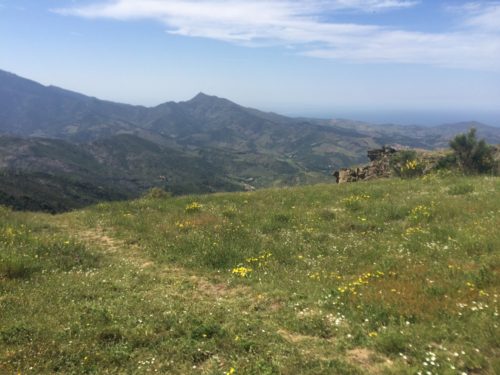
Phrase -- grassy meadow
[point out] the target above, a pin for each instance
(384, 277)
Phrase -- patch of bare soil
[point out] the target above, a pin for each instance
(368, 360)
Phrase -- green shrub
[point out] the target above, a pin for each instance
(473, 156)
(447, 162)
(406, 164)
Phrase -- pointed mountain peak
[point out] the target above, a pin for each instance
(202, 97)
(201, 94)
(204, 100)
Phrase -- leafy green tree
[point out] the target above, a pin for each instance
(472, 155)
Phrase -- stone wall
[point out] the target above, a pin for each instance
(379, 167)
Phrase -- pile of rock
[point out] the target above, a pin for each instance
(379, 167)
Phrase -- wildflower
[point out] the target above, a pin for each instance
(373, 334)
(420, 212)
(231, 371)
(315, 276)
(414, 230)
(241, 271)
(193, 207)
(261, 260)
(411, 164)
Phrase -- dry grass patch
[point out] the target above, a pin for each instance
(368, 360)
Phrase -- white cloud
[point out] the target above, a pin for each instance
(481, 15)
(484, 16)
(370, 5)
(447, 50)
(303, 24)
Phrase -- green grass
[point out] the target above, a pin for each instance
(389, 277)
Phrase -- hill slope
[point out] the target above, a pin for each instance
(390, 277)
(55, 175)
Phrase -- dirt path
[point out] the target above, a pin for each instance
(98, 238)
(136, 257)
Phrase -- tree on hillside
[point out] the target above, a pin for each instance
(471, 155)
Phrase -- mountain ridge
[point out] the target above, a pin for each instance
(204, 144)
(128, 115)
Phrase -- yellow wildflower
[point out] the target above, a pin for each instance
(193, 207)
(241, 271)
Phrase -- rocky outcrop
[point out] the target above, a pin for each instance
(390, 161)
(379, 167)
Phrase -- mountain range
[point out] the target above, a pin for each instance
(60, 149)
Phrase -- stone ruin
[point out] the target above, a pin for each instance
(380, 163)
(379, 167)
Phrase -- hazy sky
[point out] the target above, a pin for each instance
(312, 57)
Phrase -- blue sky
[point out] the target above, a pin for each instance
(381, 60)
